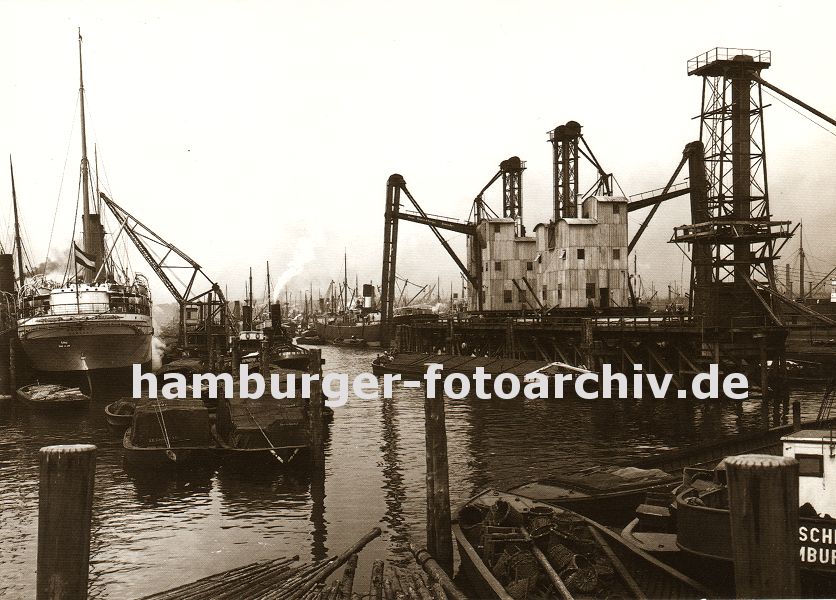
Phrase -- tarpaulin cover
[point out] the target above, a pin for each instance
(262, 423)
(185, 421)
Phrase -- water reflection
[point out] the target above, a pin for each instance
(394, 490)
(153, 531)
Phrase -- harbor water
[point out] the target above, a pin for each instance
(153, 530)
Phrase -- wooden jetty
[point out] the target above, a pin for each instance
(414, 365)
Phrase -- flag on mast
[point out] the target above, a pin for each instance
(83, 258)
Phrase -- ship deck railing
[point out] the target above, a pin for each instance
(83, 308)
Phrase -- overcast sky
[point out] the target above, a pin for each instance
(254, 131)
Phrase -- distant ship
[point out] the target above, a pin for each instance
(95, 319)
(350, 325)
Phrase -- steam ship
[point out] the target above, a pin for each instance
(94, 319)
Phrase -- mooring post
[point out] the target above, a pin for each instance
(264, 359)
(763, 503)
(316, 404)
(317, 469)
(764, 359)
(796, 415)
(586, 343)
(236, 356)
(439, 536)
(7, 289)
(65, 507)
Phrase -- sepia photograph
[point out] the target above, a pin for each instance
(456, 300)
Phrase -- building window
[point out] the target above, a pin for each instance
(810, 465)
(522, 295)
(581, 254)
(616, 210)
(508, 297)
(496, 227)
(560, 291)
(529, 266)
(545, 292)
(497, 266)
(590, 290)
(486, 266)
(616, 253)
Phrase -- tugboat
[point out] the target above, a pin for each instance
(694, 532)
(281, 351)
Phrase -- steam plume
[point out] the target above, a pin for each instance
(302, 255)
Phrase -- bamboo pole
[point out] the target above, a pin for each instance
(626, 577)
(347, 582)
(334, 564)
(67, 474)
(557, 582)
(763, 504)
(376, 591)
(429, 564)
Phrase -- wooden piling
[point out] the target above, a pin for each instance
(65, 503)
(439, 535)
(763, 503)
(316, 402)
(7, 303)
(796, 415)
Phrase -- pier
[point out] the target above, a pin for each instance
(145, 452)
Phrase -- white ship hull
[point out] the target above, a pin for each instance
(86, 342)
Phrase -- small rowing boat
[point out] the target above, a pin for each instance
(51, 396)
(119, 414)
(512, 547)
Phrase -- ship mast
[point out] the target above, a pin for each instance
(85, 170)
(269, 289)
(18, 243)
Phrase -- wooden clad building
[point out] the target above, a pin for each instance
(577, 262)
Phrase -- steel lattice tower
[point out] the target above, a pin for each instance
(512, 191)
(564, 138)
(732, 232)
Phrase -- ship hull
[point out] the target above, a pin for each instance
(364, 331)
(70, 344)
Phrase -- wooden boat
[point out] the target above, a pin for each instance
(266, 431)
(352, 342)
(695, 531)
(120, 413)
(508, 545)
(605, 493)
(51, 396)
(596, 493)
(169, 433)
(311, 338)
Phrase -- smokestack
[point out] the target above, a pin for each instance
(276, 318)
(368, 295)
(247, 317)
